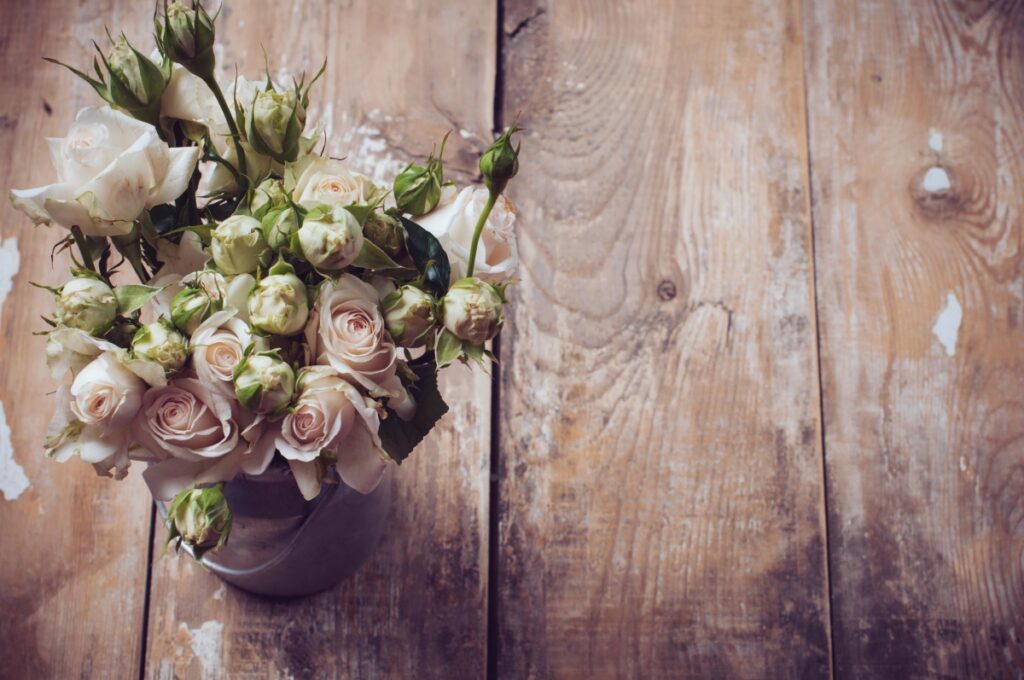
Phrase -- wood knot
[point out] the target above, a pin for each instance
(935, 192)
(666, 290)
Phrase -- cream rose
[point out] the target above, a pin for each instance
(192, 434)
(453, 222)
(110, 168)
(331, 415)
(217, 348)
(325, 181)
(93, 416)
(347, 332)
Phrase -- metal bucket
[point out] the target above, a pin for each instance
(282, 545)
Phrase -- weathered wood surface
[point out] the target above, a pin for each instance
(73, 546)
(661, 508)
(399, 75)
(917, 135)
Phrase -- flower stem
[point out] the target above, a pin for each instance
(481, 221)
(211, 82)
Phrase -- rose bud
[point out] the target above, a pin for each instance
(417, 189)
(264, 383)
(88, 304)
(162, 343)
(330, 241)
(190, 307)
(500, 162)
(186, 37)
(472, 310)
(278, 226)
(279, 303)
(385, 232)
(409, 313)
(200, 518)
(237, 245)
(274, 124)
(269, 194)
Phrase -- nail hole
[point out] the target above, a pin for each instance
(666, 290)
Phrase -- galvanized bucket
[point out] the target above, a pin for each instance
(282, 545)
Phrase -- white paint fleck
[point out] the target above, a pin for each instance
(220, 592)
(465, 134)
(947, 325)
(207, 646)
(935, 140)
(963, 464)
(935, 180)
(13, 480)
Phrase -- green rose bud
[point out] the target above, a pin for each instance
(186, 37)
(161, 343)
(274, 124)
(472, 310)
(190, 307)
(278, 226)
(270, 194)
(409, 313)
(330, 238)
(200, 518)
(385, 232)
(237, 245)
(264, 383)
(417, 189)
(500, 162)
(135, 84)
(88, 304)
(279, 303)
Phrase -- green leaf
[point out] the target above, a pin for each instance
(132, 296)
(429, 256)
(449, 348)
(400, 437)
(361, 211)
(372, 257)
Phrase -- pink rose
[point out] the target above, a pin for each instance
(331, 415)
(194, 436)
(347, 332)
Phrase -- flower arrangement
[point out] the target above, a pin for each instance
(288, 310)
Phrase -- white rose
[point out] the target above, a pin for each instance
(325, 181)
(331, 415)
(279, 304)
(93, 416)
(347, 332)
(237, 245)
(453, 222)
(193, 435)
(331, 242)
(71, 349)
(218, 346)
(110, 168)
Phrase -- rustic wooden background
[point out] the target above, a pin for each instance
(761, 404)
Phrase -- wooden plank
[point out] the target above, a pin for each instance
(916, 114)
(661, 510)
(399, 75)
(73, 546)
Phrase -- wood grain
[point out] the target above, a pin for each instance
(660, 504)
(399, 75)
(73, 546)
(916, 114)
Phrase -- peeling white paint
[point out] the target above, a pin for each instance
(935, 180)
(220, 592)
(935, 141)
(963, 464)
(13, 480)
(207, 646)
(947, 325)
(10, 260)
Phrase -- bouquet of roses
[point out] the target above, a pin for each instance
(288, 310)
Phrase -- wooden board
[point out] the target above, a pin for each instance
(660, 504)
(917, 122)
(399, 76)
(74, 545)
